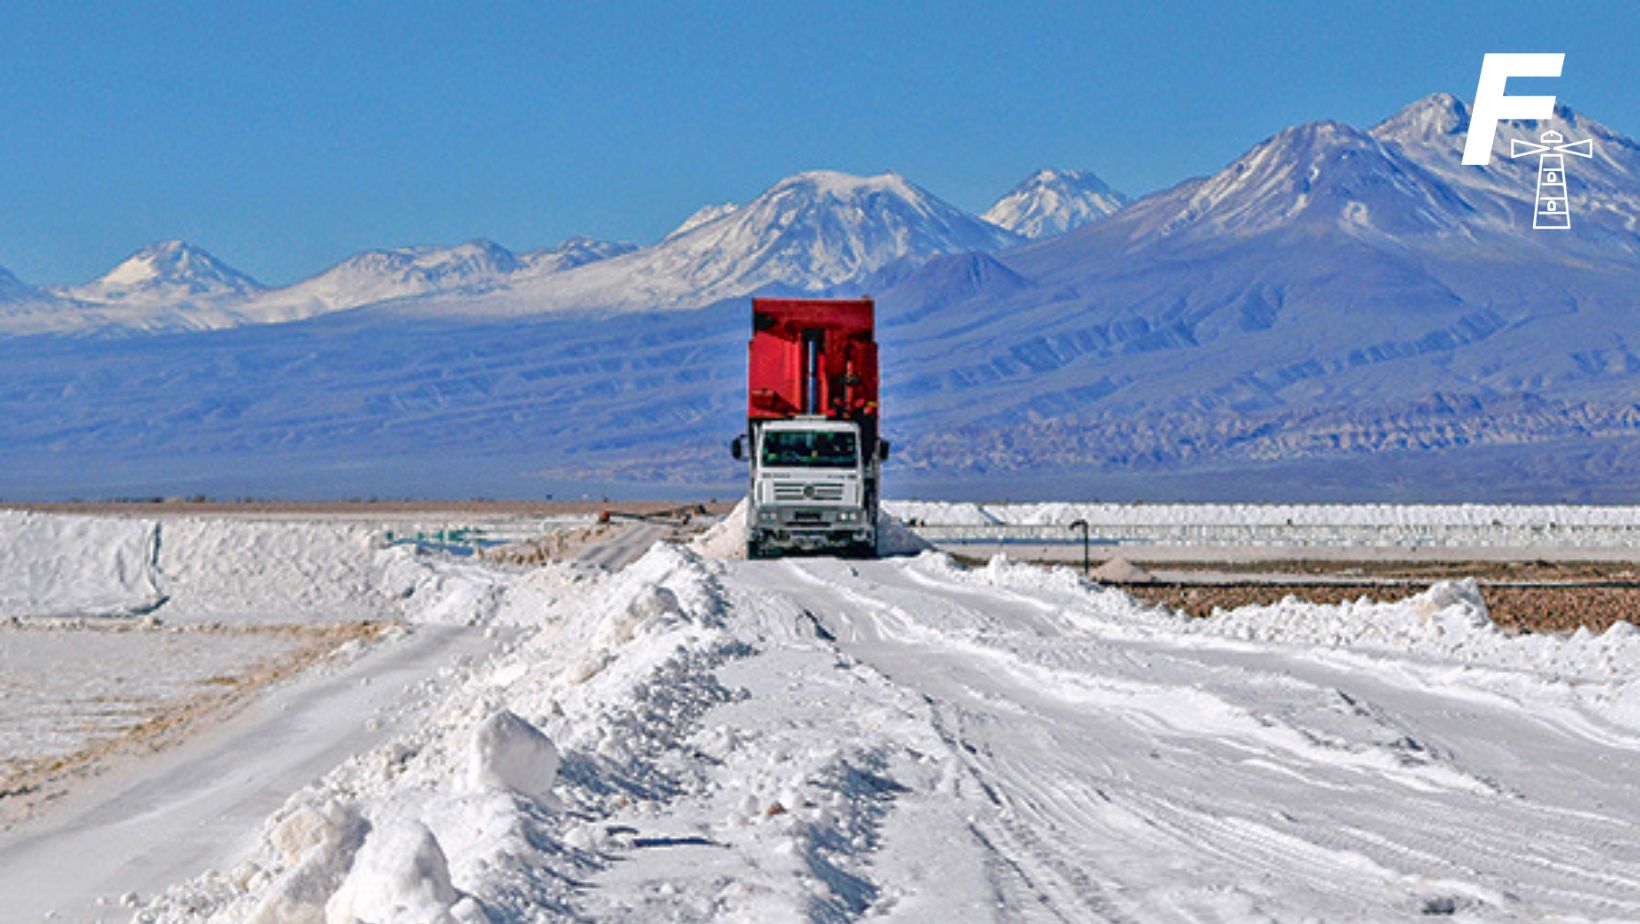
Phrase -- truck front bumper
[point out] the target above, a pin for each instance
(808, 529)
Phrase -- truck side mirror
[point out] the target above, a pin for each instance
(882, 450)
(737, 448)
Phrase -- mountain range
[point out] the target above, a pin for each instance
(1333, 294)
(1339, 313)
(809, 232)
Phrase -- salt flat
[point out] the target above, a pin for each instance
(693, 737)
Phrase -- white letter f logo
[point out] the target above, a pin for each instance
(1491, 105)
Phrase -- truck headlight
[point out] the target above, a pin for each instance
(848, 516)
(767, 516)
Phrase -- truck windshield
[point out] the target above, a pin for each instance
(810, 448)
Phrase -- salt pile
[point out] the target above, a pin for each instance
(87, 566)
(727, 538)
(231, 569)
(894, 538)
(400, 875)
(1121, 571)
(510, 753)
(1113, 515)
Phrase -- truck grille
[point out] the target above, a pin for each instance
(796, 492)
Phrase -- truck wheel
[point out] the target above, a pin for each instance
(757, 551)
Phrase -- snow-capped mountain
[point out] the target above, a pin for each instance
(821, 229)
(460, 273)
(167, 286)
(1050, 202)
(701, 216)
(465, 271)
(572, 252)
(168, 273)
(1310, 199)
(1402, 180)
(379, 275)
(1332, 293)
(1319, 174)
(811, 232)
(175, 285)
(1604, 189)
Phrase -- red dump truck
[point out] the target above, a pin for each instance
(811, 428)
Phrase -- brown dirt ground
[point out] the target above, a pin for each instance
(1527, 596)
(1497, 571)
(1531, 609)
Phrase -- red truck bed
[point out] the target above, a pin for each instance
(812, 356)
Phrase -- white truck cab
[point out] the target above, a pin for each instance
(813, 488)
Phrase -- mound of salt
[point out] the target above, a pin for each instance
(727, 538)
(895, 538)
(1121, 571)
(510, 753)
(400, 875)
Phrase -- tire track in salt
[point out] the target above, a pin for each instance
(1464, 840)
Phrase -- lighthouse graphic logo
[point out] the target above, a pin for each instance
(1551, 212)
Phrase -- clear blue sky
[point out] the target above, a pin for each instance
(285, 136)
